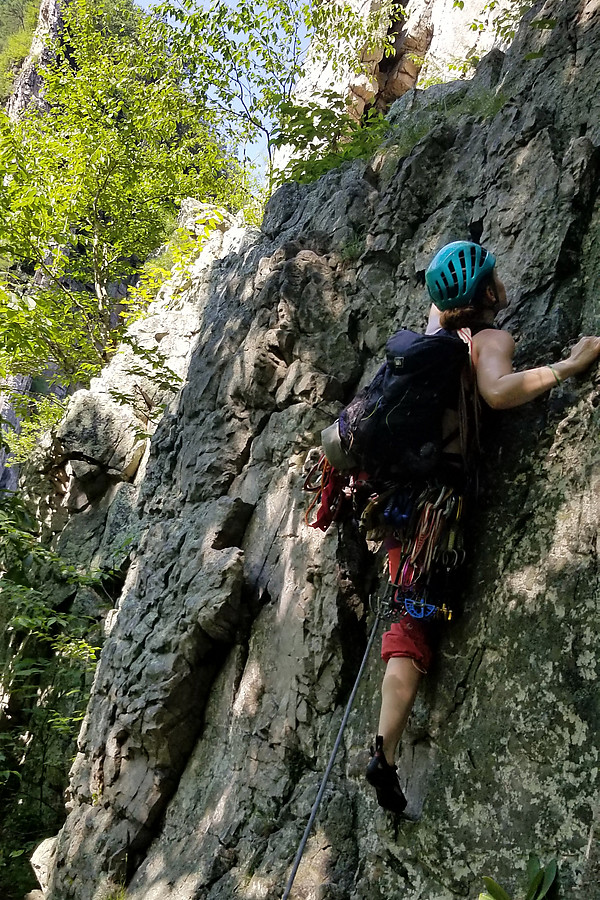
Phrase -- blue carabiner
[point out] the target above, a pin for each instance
(419, 609)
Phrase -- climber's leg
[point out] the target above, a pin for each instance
(407, 650)
(398, 692)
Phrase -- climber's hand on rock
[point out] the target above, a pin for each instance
(583, 354)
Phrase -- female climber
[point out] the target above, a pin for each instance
(466, 293)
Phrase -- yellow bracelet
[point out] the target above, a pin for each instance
(553, 370)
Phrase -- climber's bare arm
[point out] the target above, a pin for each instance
(503, 388)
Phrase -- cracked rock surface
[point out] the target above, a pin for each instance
(238, 634)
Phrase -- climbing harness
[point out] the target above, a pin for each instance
(327, 773)
(397, 604)
(425, 521)
(424, 543)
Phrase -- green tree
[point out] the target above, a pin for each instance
(247, 58)
(138, 113)
(14, 14)
(90, 183)
(322, 138)
(503, 19)
(47, 660)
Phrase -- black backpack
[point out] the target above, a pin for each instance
(394, 425)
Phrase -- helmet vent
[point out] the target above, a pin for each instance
(454, 288)
(474, 259)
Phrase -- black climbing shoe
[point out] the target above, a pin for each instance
(384, 778)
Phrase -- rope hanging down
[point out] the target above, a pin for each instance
(336, 747)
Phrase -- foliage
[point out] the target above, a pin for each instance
(16, 875)
(91, 184)
(504, 18)
(483, 104)
(118, 894)
(37, 412)
(354, 247)
(540, 880)
(253, 54)
(16, 14)
(48, 660)
(505, 21)
(18, 20)
(31, 577)
(136, 115)
(172, 258)
(323, 135)
(149, 374)
(154, 380)
(466, 66)
(500, 18)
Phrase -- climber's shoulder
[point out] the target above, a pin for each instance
(491, 344)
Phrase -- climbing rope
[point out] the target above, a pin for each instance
(336, 747)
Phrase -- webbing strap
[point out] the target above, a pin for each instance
(327, 485)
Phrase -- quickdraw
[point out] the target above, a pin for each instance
(427, 541)
(434, 546)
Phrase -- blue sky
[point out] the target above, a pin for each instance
(254, 151)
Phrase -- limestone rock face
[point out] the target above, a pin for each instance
(19, 384)
(28, 84)
(237, 636)
(434, 34)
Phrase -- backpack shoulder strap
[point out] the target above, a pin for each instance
(466, 335)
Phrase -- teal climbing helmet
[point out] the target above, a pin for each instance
(456, 272)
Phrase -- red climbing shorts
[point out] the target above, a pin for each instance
(410, 638)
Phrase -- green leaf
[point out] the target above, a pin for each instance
(550, 872)
(537, 55)
(543, 23)
(534, 883)
(533, 867)
(497, 892)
